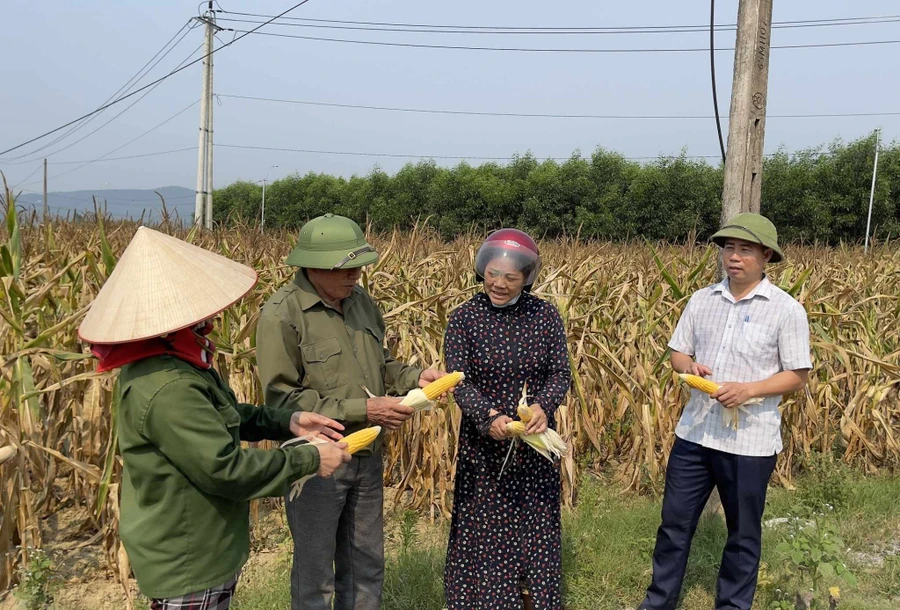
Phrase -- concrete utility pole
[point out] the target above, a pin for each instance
(262, 213)
(209, 128)
(46, 206)
(747, 117)
(871, 193)
(203, 196)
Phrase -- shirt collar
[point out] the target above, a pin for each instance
(309, 297)
(764, 289)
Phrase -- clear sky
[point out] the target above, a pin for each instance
(63, 59)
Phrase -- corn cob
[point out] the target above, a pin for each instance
(355, 442)
(7, 453)
(516, 428)
(423, 398)
(730, 417)
(525, 413)
(361, 439)
(548, 443)
(699, 383)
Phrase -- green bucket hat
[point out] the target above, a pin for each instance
(753, 228)
(332, 242)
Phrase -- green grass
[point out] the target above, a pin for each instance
(607, 546)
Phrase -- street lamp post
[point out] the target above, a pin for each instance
(262, 220)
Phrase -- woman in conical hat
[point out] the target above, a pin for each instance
(187, 481)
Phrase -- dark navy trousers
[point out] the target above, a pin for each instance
(692, 472)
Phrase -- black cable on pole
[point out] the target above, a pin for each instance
(159, 80)
(712, 72)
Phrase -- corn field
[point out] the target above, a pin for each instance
(620, 303)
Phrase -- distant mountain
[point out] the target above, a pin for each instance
(120, 203)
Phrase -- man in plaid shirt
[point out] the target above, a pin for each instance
(752, 339)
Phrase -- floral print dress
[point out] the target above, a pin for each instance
(505, 529)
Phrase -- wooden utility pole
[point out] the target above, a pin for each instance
(747, 117)
(746, 126)
(46, 205)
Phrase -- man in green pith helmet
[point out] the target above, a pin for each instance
(320, 341)
(752, 339)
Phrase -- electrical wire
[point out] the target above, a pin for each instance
(412, 45)
(157, 81)
(538, 114)
(417, 156)
(124, 88)
(712, 72)
(840, 21)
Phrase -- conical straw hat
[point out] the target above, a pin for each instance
(160, 285)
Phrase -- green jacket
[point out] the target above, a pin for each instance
(311, 357)
(187, 482)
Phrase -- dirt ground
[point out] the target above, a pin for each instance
(84, 578)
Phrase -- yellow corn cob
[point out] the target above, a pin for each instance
(445, 383)
(548, 443)
(730, 417)
(423, 398)
(355, 442)
(525, 413)
(516, 428)
(361, 439)
(699, 383)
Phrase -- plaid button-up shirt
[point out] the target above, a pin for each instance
(752, 339)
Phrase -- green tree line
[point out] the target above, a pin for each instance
(816, 195)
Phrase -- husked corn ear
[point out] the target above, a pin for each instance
(730, 417)
(699, 383)
(515, 428)
(7, 453)
(423, 398)
(445, 383)
(361, 439)
(548, 443)
(525, 413)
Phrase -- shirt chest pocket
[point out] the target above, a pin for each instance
(374, 339)
(322, 361)
(230, 417)
(755, 340)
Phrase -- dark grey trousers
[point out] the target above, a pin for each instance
(338, 530)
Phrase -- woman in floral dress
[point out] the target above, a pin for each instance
(505, 539)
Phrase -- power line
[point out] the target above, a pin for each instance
(141, 156)
(536, 31)
(135, 139)
(129, 83)
(712, 72)
(413, 45)
(420, 156)
(841, 21)
(88, 162)
(22, 181)
(538, 114)
(103, 156)
(126, 109)
(157, 81)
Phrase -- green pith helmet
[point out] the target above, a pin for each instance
(332, 242)
(753, 228)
